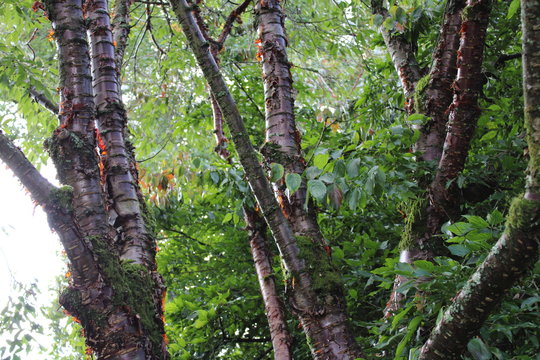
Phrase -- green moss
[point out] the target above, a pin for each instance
(419, 95)
(523, 214)
(326, 280)
(72, 302)
(414, 223)
(62, 198)
(132, 287)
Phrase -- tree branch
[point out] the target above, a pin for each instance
(518, 248)
(463, 113)
(43, 100)
(402, 55)
(121, 28)
(59, 216)
(233, 16)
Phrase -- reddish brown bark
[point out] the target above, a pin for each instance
(518, 248)
(283, 146)
(281, 339)
(114, 301)
(136, 243)
(463, 115)
(315, 282)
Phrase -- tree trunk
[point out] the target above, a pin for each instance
(316, 284)
(518, 248)
(118, 303)
(281, 339)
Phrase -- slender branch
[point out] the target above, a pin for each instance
(121, 28)
(275, 313)
(43, 100)
(233, 16)
(180, 232)
(506, 57)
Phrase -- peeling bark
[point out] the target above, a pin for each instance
(315, 289)
(463, 115)
(136, 245)
(275, 313)
(518, 248)
(402, 54)
(256, 227)
(117, 304)
(433, 95)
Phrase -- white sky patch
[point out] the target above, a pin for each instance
(29, 250)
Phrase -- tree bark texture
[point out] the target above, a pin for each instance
(463, 115)
(282, 136)
(277, 320)
(402, 54)
(316, 282)
(518, 248)
(136, 243)
(433, 96)
(255, 225)
(117, 302)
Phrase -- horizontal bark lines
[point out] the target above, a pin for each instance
(463, 113)
(328, 332)
(136, 243)
(518, 248)
(312, 311)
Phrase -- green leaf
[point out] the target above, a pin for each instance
(477, 221)
(458, 250)
(339, 168)
(411, 329)
(293, 182)
(478, 349)
(312, 172)
(228, 217)
(317, 189)
(353, 199)
(353, 167)
(276, 172)
(513, 8)
(321, 160)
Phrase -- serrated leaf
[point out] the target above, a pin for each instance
(293, 182)
(276, 172)
(317, 189)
